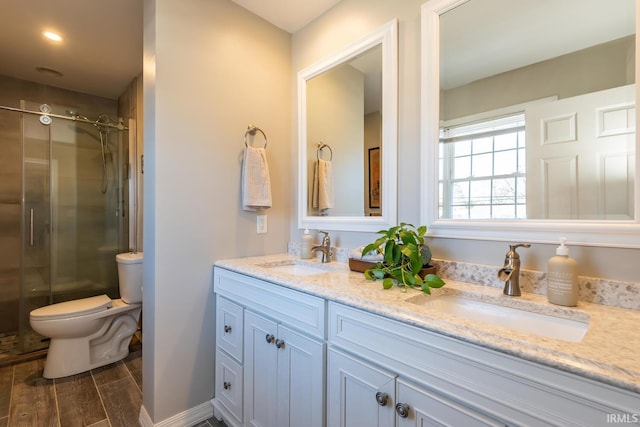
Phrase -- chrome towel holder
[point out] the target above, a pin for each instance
(251, 130)
(322, 146)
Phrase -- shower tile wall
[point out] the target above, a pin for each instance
(10, 233)
(79, 179)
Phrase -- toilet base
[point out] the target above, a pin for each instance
(70, 356)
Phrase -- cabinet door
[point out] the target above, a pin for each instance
(358, 394)
(300, 380)
(260, 361)
(418, 407)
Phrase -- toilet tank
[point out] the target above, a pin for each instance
(130, 276)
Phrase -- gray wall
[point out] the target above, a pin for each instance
(210, 69)
(601, 67)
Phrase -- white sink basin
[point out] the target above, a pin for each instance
(296, 268)
(508, 317)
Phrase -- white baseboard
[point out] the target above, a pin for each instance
(187, 418)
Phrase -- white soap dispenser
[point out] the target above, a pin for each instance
(306, 243)
(562, 277)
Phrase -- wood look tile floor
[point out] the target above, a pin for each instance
(106, 396)
(109, 396)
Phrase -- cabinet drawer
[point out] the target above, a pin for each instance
(229, 381)
(300, 311)
(229, 327)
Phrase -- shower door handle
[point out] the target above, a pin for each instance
(31, 227)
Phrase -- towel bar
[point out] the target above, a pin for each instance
(322, 146)
(251, 130)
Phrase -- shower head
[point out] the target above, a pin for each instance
(103, 119)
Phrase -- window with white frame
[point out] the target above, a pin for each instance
(482, 169)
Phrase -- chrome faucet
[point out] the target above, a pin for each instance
(510, 273)
(325, 247)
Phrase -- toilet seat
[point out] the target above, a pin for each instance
(69, 309)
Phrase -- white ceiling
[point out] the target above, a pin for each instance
(102, 48)
(290, 15)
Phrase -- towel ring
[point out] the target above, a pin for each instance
(322, 146)
(251, 130)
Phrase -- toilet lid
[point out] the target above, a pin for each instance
(73, 308)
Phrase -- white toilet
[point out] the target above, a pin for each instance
(95, 331)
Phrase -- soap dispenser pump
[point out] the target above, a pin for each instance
(562, 277)
(306, 243)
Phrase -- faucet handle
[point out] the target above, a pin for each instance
(512, 249)
(326, 237)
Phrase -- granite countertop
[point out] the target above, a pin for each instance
(609, 351)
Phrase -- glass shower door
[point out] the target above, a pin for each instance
(36, 247)
(71, 216)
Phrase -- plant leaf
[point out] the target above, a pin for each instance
(388, 252)
(370, 247)
(434, 281)
(426, 289)
(392, 231)
(407, 237)
(397, 275)
(422, 230)
(387, 283)
(408, 278)
(378, 273)
(396, 254)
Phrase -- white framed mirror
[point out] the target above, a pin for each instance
(482, 66)
(347, 136)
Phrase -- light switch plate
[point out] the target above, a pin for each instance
(261, 224)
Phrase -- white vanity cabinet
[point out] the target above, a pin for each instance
(444, 381)
(272, 374)
(285, 357)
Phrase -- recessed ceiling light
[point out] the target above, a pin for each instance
(52, 36)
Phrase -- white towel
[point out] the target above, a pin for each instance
(322, 196)
(372, 256)
(256, 182)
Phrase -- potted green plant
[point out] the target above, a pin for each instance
(405, 254)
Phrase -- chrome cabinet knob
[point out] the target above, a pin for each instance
(227, 329)
(270, 338)
(402, 409)
(226, 385)
(382, 398)
(279, 343)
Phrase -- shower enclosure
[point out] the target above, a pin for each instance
(63, 212)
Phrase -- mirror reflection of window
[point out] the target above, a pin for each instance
(482, 169)
(580, 142)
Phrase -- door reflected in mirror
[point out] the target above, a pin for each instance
(537, 110)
